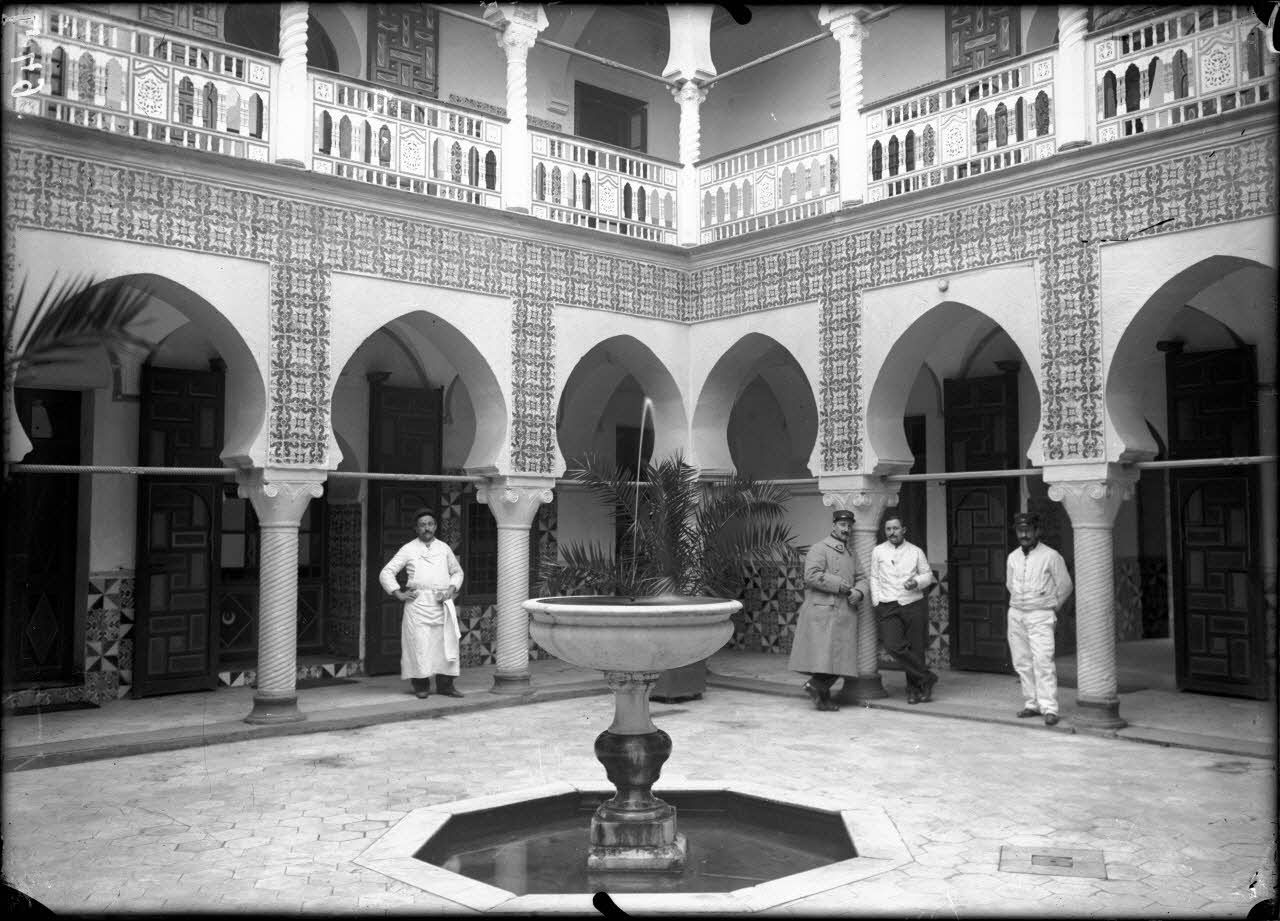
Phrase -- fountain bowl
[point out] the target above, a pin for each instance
(614, 633)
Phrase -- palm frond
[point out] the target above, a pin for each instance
(74, 312)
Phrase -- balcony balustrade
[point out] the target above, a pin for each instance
(372, 134)
(589, 184)
(961, 128)
(1180, 66)
(102, 72)
(776, 182)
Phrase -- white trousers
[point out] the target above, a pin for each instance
(1031, 645)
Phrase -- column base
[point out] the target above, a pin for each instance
(275, 710)
(1073, 145)
(511, 683)
(851, 203)
(518, 209)
(289, 161)
(860, 688)
(1097, 714)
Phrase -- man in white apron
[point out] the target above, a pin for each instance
(429, 627)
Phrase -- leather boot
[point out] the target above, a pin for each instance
(445, 688)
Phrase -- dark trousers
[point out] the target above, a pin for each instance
(444, 684)
(904, 631)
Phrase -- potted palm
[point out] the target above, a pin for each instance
(681, 537)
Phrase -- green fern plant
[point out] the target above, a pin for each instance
(690, 537)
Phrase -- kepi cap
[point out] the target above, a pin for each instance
(1028, 518)
(842, 514)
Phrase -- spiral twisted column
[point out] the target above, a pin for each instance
(689, 96)
(521, 23)
(293, 134)
(514, 504)
(1071, 89)
(868, 502)
(1092, 506)
(279, 504)
(848, 29)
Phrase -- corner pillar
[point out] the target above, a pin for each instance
(867, 497)
(293, 111)
(690, 98)
(514, 501)
(1092, 504)
(1071, 93)
(849, 31)
(279, 498)
(521, 24)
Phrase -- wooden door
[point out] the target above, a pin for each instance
(981, 434)
(41, 521)
(405, 434)
(1219, 619)
(178, 559)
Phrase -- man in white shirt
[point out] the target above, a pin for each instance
(429, 626)
(1039, 585)
(899, 575)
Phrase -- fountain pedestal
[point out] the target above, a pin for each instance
(634, 830)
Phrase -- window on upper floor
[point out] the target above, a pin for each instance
(610, 117)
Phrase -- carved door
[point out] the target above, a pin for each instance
(981, 434)
(180, 425)
(1219, 611)
(405, 432)
(41, 521)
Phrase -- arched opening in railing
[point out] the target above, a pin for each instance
(491, 170)
(893, 156)
(877, 159)
(1132, 88)
(1002, 125)
(1042, 113)
(84, 79)
(980, 130)
(909, 151)
(210, 106)
(384, 146)
(186, 101)
(1178, 71)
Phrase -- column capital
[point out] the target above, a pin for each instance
(689, 93)
(127, 357)
(280, 494)
(866, 496)
(1093, 502)
(515, 500)
(521, 23)
(846, 21)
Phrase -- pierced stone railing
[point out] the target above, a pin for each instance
(1186, 64)
(369, 133)
(100, 71)
(589, 184)
(775, 182)
(987, 121)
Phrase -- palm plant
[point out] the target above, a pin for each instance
(72, 313)
(689, 538)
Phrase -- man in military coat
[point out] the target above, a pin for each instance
(825, 645)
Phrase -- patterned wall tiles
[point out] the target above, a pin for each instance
(344, 535)
(299, 411)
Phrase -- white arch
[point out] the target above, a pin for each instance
(473, 330)
(1144, 282)
(227, 298)
(895, 342)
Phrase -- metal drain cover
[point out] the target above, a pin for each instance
(1053, 861)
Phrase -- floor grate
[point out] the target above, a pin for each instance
(1053, 861)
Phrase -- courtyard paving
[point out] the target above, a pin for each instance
(274, 824)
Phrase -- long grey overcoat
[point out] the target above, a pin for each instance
(826, 640)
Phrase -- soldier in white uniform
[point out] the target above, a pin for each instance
(429, 627)
(1039, 585)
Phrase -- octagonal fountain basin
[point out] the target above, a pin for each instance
(750, 848)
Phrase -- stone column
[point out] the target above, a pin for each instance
(690, 98)
(279, 498)
(521, 24)
(294, 136)
(867, 497)
(1092, 503)
(1071, 91)
(848, 30)
(514, 501)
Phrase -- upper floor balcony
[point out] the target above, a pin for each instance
(777, 128)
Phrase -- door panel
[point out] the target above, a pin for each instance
(41, 518)
(176, 640)
(981, 434)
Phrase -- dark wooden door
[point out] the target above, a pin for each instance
(1219, 619)
(41, 520)
(405, 432)
(981, 434)
(403, 41)
(180, 425)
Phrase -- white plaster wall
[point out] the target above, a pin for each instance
(904, 50)
(347, 25)
(231, 304)
(473, 329)
(795, 328)
(113, 508)
(472, 65)
(578, 330)
(1008, 295)
(1132, 274)
(580, 518)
